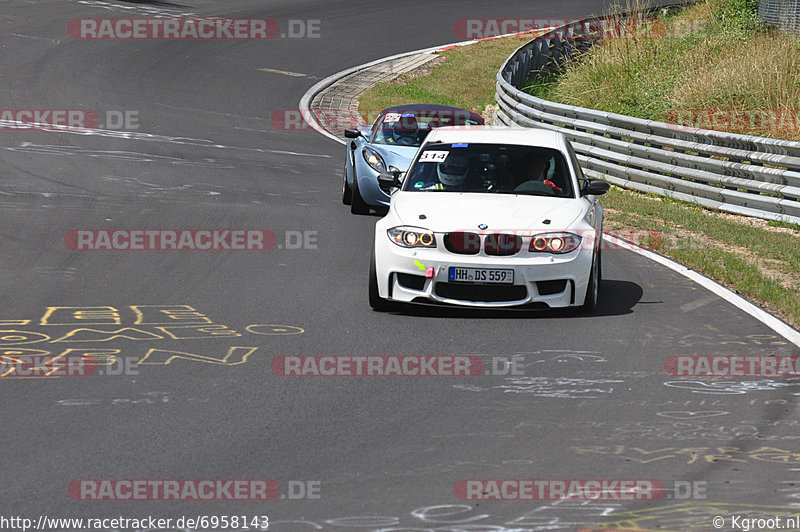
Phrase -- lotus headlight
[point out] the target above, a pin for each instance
(412, 237)
(374, 160)
(554, 243)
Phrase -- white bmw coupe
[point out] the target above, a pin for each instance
(490, 217)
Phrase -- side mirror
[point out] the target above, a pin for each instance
(595, 187)
(352, 133)
(389, 180)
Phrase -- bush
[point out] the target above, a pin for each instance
(737, 18)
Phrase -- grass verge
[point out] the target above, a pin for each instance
(714, 66)
(754, 257)
(463, 76)
(759, 259)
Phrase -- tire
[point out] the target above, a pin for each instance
(347, 192)
(358, 205)
(593, 290)
(375, 300)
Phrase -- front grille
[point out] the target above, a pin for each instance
(502, 244)
(468, 292)
(494, 244)
(547, 288)
(463, 243)
(414, 282)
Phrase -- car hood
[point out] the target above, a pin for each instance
(451, 211)
(397, 156)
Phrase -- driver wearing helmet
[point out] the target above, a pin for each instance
(537, 173)
(405, 131)
(452, 172)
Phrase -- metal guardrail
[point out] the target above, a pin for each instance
(742, 174)
(782, 13)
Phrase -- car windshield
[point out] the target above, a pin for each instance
(411, 128)
(493, 168)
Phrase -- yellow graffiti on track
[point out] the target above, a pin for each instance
(110, 325)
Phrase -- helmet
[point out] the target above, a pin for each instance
(536, 167)
(453, 170)
(405, 128)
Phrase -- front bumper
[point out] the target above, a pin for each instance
(368, 187)
(554, 281)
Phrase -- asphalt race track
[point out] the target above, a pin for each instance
(198, 330)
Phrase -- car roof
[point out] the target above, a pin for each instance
(419, 107)
(527, 136)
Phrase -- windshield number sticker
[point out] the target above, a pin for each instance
(392, 117)
(432, 155)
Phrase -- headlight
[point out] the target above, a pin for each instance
(374, 159)
(412, 237)
(554, 243)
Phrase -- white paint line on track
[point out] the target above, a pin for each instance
(734, 299)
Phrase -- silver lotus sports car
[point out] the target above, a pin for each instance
(388, 145)
(490, 217)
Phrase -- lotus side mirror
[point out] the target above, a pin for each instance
(352, 133)
(389, 180)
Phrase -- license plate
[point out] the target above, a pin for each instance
(480, 275)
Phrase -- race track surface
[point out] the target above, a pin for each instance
(199, 329)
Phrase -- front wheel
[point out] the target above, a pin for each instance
(358, 205)
(375, 300)
(347, 192)
(593, 290)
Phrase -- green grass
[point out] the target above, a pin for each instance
(761, 260)
(747, 255)
(714, 56)
(465, 79)
(786, 225)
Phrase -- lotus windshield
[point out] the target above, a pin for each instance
(490, 168)
(411, 128)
